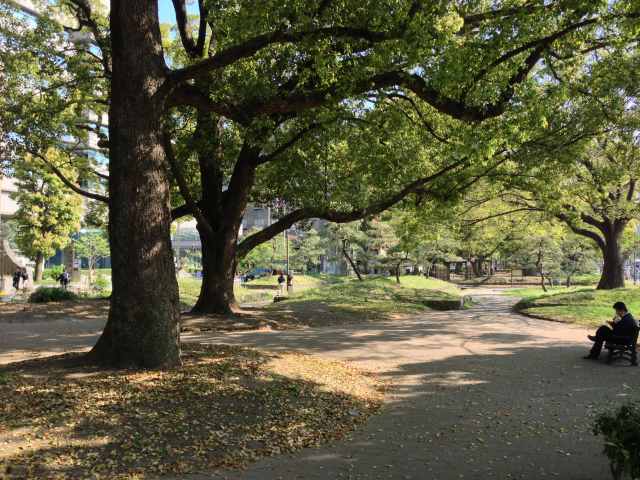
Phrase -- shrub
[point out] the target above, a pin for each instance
(101, 283)
(621, 432)
(53, 272)
(51, 294)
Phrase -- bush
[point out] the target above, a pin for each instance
(621, 431)
(51, 294)
(101, 283)
(53, 272)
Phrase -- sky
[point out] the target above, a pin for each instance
(167, 13)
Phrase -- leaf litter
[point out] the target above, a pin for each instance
(226, 407)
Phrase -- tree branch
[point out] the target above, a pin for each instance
(71, 185)
(253, 45)
(336, 216)
(285, 146)
(183, 186)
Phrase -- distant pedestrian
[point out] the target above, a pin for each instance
(17, 276)
(281, 282)
(64, 279)
(289, 282)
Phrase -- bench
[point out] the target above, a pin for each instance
(624, 348)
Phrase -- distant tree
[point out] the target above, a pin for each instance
(306, 251)
(596, 196)
(47, 212)
(261, 256)
(538, 249)
(579, 255)
(93, 246)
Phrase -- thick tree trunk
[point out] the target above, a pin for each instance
(613, 266)
(218, 274)
(223, 214)
(142, 329)
(39, 270)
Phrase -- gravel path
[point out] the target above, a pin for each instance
(478, 394)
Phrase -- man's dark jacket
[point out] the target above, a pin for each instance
(625, 327)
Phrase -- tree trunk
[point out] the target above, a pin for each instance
(142, 329)
(613, 266)
(351, 262)
(398, 274)
(218, 275)
(39, 270)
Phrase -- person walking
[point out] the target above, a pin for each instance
(64, 278)
(621, 328)
(281, 282)
(17, 276)
(289, 283)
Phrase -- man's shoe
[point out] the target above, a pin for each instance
(590, 357)
(593, 338)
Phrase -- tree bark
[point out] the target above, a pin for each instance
(142, 329)
(39, 270)
(613, 263)
(223, 216)
(351, 262)
(218, 274)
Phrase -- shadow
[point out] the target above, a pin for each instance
(519, 412)
(248, 286)
(224, 407)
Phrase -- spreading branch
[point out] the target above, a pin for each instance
(71, 185)
(335, 216)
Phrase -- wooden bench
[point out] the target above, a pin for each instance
(623, 348)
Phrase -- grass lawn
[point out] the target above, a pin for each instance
(226, 407)
(257, 291)
(585, 306)
(530, 292)
(347, 299)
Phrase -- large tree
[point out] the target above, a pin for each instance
(596, 197)
(263, 66)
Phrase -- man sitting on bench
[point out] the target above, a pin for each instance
(620, 330)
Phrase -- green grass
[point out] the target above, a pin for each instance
(259, 290)
(530, 292)
(585, 306)
(380, 295)
(342, 294)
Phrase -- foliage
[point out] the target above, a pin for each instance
(47, 211)
(101, 283)
(305, 251)
(93, 246)
(621, 432)
(53, 272)
(261, 256)
(579, 256)
(51, 294)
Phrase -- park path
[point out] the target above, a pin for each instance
(477, 394)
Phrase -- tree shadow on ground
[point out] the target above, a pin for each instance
(227, 406)
(519, 412)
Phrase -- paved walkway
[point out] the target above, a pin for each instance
(479, 394)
